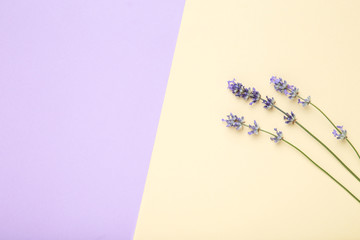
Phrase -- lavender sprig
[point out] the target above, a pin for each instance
(239, 90)
(291, 91)
(283, 87)
(236, 88)
(290, 118)
(279, 137)
(234, 121)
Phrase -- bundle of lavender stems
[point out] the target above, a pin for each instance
(292, 92)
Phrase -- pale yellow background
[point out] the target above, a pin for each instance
(207, 181)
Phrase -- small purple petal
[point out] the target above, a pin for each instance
(340, 135)
(240, 90)
(234, 121)
(255, 128)
(282, 86)
(277, 138)
(290, 118)
(269, 103)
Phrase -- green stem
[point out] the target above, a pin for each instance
(262, 130)
(276, 107)
(341, 162)
(267, 132)
(323, 170)
(352, 146)
(332, 153)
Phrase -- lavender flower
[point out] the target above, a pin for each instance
(290, 118)
(255, 128)
(277, 138)
(240, 90)
(234, 121)
(236, 88)
(283, 87)
(255, 95)
(279, 84)
(341, 135)
(305, 102)
(293, 92)
(269, 103)
(246, 93)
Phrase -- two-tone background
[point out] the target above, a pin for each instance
(110, 119)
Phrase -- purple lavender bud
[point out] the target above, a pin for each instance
(279, 84)
(269, 103)
(240, 90)
(234, 121)
(290, 118)
(246, 93)
(305, 102)
(274, 79)
(341, 135)
(236, 88)
(283, 87)
(293, 92)
(255, 128)
(255, 95)
(279, 136)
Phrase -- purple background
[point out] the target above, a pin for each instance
(81, 88)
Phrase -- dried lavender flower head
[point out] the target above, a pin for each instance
(305, 102)
(341, 135)
(278, 137)
(254, 129)
(255, 95)
(269, 103)
(290, 118)
(236, 88)
(246, 93)
(239, 90)
(234, 121)
(282, 86)
(293, 92)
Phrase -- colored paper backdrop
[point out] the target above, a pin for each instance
(81, 88)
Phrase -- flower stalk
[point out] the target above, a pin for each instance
(236, 122)
(336, 127)
(240, 91)
(323, 170)
(291, 91)
(319, 141)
